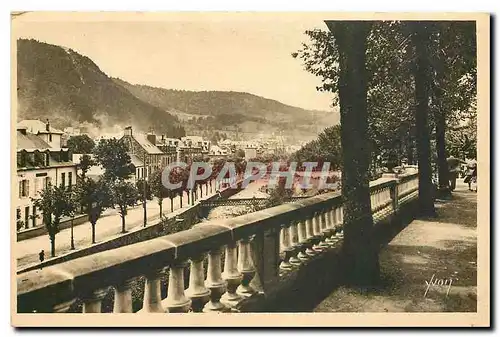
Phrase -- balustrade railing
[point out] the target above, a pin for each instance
(213, 267)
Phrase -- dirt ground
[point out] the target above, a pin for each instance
(430, 266)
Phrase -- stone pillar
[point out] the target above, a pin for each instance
(152, 292)
(285, 247)
(123, 297)
(176, 301)
(92, 302)
(295, 245)
(302, 237)
(232, 276)
(215, 282)
(197, 291)
(246, 268)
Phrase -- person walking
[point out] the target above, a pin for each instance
(41, 256)
(453, 169)
(471, 175)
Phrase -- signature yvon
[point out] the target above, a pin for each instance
(435, 282)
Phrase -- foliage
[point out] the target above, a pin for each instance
(93, 192)
(390, 63)
(240, 153)
(80, 144)
(327, 148)
(112, 156)
(140, 185)
(124, 194)
(86, 162)
(53, 202)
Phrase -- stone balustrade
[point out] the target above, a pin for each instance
(215, 266)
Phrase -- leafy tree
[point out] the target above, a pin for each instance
(53, 202)
(124, 195)
(240, 153)
(327, 148)
(80, 144)
(112, 155)
(359, 248)
(453, 57)
(86, 162)
(158, 190)
(95, 197)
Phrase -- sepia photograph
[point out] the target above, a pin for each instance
(273, 169)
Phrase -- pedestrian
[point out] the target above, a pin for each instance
(471, 174)
(41, 256)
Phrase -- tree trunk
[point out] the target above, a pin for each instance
(188, 192)
(161, 207)
(123, 224)
(171, 204)
(52, 245)
(180, 196)
(422, 83)
(93, 232)
(360, 250)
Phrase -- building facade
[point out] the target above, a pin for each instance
(38, 165)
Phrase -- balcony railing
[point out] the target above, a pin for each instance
(214, 266)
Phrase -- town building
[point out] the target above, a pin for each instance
(144, 154)
(40, 161)
(169, 147)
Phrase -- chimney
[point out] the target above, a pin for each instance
(47, 125)
(151, 137)
(127, 131)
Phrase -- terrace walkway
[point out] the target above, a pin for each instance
(439, 249)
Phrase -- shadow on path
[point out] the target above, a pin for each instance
(443, 250)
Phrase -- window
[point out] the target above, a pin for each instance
(70, 179)
(63, 179)
(24, 188)
(47, 156)
(50, 137)
(37, 185)
(18, 214)
(47, 182)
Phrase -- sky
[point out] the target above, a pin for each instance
(230, 52)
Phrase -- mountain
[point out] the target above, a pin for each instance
(228, 108)
(70, 89)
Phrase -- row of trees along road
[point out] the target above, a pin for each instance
(113, 189)
(400, 86)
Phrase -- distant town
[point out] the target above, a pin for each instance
(43, 157)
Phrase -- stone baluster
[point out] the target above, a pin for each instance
(331, 227)
(215, 282)
(123, 297)
(152, 292)
(197, 292)
(177, 301)
(232, 276)
(295, 245)
(341, 222)
(63, 307)
(310, 237)
(92, 303)
(285, 247)
(317, 233)
(303, 240)
(246, 268)
(324, 230)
